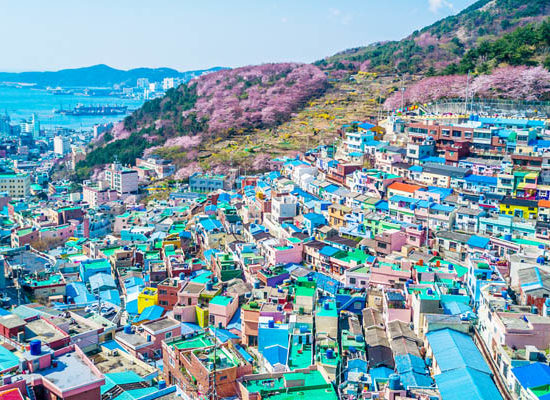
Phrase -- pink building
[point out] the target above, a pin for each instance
(145, 341)
(221, 309)
(390, 241)
(96, 194)
(386, 274)
(291, 253)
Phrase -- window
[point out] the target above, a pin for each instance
(168, 335)
(352, 280)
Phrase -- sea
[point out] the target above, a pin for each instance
(21, 102)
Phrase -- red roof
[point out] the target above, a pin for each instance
(404, 187)
(11, 394)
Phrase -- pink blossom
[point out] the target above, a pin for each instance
(185, 142)
(187, 171)
(119, 132)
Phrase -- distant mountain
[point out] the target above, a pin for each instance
(99, 76)
(447, 41)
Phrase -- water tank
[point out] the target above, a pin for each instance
(128, 329)
(36, 347)
(326, 306)
(182, 276)
(215, 279)
(540, 260)
(310, 278)
(330, 353)
(508, 237)
(256, 284)
(148, 338)
(162, 385)
(430, 292)
(303, 329)
(209, 286)
(359, 338)
(504, 294)
(541, 246)
(394, 382)
(271, 323)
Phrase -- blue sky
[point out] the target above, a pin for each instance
(195, 34)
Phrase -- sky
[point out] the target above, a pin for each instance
(38, 35)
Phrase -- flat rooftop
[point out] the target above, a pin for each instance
(161, 324)
(106, 362)
(71, 372)
(40, 329)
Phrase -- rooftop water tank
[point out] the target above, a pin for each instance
(271, 323)
(128, 329)
(36, 347)
(162, 385)
(394, 382)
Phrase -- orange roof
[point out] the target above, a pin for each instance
(544, 203)
(404, 187)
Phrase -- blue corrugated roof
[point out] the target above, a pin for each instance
(481, 179)
(455, 308)
(453, 350)
(151, 313)
(276, 354)
(415, 168)
(478, 241)
(532, 375)
(328, 251)
(382, 206)
(466, 383)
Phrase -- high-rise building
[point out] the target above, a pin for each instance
(123, 180)
(142, 83)
(16, 185)
(61, 145)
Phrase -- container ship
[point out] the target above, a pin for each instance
(82, 110)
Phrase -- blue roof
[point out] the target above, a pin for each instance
(415, 168)
(151, 313)
(189, 328)
(453, 350)
(112, 296)
(365, 125)
(132, 307)
(331, 188)
(79, 292)
(223, 335)
(328, 251)
(326, 283)
(244, 353)
(101, 279)
(466, 383)
(532, 375)
(210, 224)
(404, 199)
(441, 207)
(478, 241)
(113, 345)
(275, 354)
(437, 160)
(481, 179)
(315, 218)
(455, 308)
(382, 206)
(8, 360)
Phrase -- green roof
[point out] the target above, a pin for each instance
(221, 301)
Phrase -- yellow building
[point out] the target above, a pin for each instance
(202, 316)
(148, 297)
(526, 209)
(337, 215)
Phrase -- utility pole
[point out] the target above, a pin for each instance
(467, 90)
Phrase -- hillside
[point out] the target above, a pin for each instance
(97, 76)
(244, 117)
(433, 48)
(221, 106)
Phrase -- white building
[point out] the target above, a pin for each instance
(61, 145)
(123, 180)
(16, 185)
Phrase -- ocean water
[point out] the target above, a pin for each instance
(21, 103)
